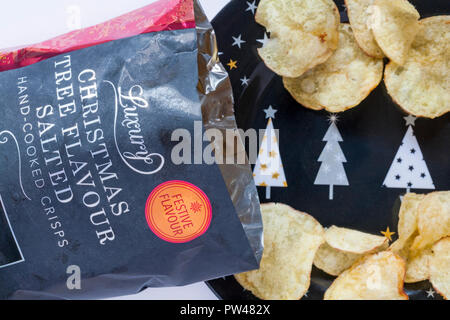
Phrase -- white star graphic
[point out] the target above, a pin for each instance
(340, 177)
(270, 112)
(238, 41)
(333, 118)
(410, 120)
(263, 41)
(430, 293)
(251, 7)
(245, 81)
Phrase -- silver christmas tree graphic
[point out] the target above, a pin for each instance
(268, 171)
(331, 171)
(409, 170)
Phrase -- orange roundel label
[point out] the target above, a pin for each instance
(178, 211)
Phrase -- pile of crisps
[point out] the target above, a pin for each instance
(326, 64)
(365, 266)
(423, 239)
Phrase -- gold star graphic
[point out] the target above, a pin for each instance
(263, 184)
(263, 166)
(285, 183)
(275, 175)
(232, 64)
(388, 234)
(261, 151)
(272, 154)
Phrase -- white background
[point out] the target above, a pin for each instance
(29, 21)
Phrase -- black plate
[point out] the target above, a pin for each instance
(372, 134)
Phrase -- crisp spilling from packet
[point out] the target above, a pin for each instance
(303, 34)
(421, 85)
(375, 277)
(340, 83)
(343, 247)
(291, 240)
(333, 66)
(91, 203)
(424, 221)
(365, 267)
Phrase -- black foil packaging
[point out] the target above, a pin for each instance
(86, 140)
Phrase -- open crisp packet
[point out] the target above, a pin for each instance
(92, 202)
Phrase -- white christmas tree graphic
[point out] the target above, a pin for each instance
(268, 171)
(331, 171)
(409, 170)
